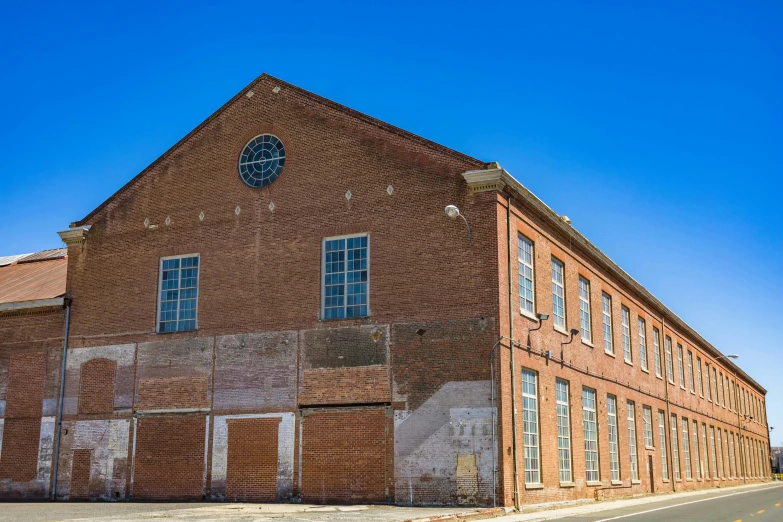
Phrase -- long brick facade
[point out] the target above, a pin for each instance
(264, 399)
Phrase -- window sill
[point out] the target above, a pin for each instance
(636, 482)
(610, 354)
(537, 485)
(594, 483)
(629, 363)
(567, 485)
(665, 480)
(645, 370)
(588, 343)
(176, 332)
(617, 483)
(677, 480)
(688, 480)
(650, 448)
(560, 330)
(658, 376)
(527, 314)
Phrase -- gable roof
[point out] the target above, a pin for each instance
(34, 277)
(302, 92)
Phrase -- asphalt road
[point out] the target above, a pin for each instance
(756, 505)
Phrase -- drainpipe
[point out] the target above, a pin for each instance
(513, 365)
(68, 302)
(668, 411)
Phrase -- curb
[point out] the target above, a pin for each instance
(481, 514)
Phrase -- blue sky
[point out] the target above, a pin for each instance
(657, 128)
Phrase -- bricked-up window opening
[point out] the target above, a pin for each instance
(712, 454)
(590, 435)
(669, 362)
(527, 295)
(675, 448)
(662, 444)
(558, 294)
(698, 373)
(642, 344)
(563, 430)
(696, 453)
(614, 451)
(706, 452)
(606, 312)
(632, 440)
(647, 418)
(719, 447)
(178, 304)
(530, 426)
(681, 365)
(346, 277)
(686, 449)
(626, 330)
(690, 372)
(657, 351)
(584, 310)
(732, 460)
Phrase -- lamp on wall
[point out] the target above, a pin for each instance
(453, 212)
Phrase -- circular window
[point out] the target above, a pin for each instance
(261, 160)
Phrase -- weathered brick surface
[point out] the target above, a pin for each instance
(252, 460)
(343, 456)
(26, 376)
(19, 458)
(80, 474)
(96, 386)
(173, 392)
(169, 460)
(354, 385)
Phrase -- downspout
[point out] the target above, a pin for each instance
(68, 302)
(668, 411)
(513, 365)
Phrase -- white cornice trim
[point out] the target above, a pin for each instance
(75, 235)
(26, 305)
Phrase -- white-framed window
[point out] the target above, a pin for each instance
(686, 449)
(345, 286)
(722, 392)
(563, 430)
(730, 386)
(606, 313)
(696, 452)
(530, 426)
(712, 454)
(669, 362)
(178, 293)
(707, 380)
(590, 423)
(732, 461)
(698, 373)
(719, 448)
(675, 448)
(657, 352)
(642, 343)
(690, 371)
(614, 450)
(662, 444)
(558, 294)
(706, 451)
(527, 299)
(625, 318)
(681, 366)
(648, 434)
(584, 310)
(715, 392)
(632, 440)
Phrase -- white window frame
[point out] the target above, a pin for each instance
(632, 440)
(712, 454)
(719, 446)
(522, 263)
(611, 430)
(675, 448)
(649, 441)
(625, 323)
(669, 361)
(562, 399)
(323, 276)
(701, 380)
(606, 322)
(590, 424)
(732, 460)
(686, 448)
(642, 343)
(558, 268)
(657, 353)
(662, 439)
(706, 451)
(585, 315)
(681, 365)
(707, 379)
(690, 372)
(530, 427)
(696, 452)
(179, 298)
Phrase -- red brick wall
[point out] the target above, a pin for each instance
(169, 461)
(96, 386)
(359, 384)
(19, 459)
(344, 456)
(80, 474)
(252, 460)
(173, 392)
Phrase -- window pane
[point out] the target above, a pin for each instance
(525, 265)
(606, 310)
(584, 310)
(178, 302)
(614, 459)
(345, 286)
(530, 426)
(626, 331)
(590, 434)
(563, 431)
(642, 343)
(558, 294)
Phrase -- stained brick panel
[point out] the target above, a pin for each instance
(96, 386)
(19, 458)
(80, 474)
(26, 376)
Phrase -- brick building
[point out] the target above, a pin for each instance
(279, 309)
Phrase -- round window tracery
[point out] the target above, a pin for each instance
(261, 160)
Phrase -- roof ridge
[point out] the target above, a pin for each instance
(315, 97)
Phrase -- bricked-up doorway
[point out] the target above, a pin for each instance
(251, 470)
(169, 458)
(344, 455)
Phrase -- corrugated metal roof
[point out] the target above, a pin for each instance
(7, 260)
(54, 253)
(33, 281)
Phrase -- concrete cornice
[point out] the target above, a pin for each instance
(74, 235)
(498, 179)
(28, 305)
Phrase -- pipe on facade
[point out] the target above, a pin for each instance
(512, 363)
(67, 303)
